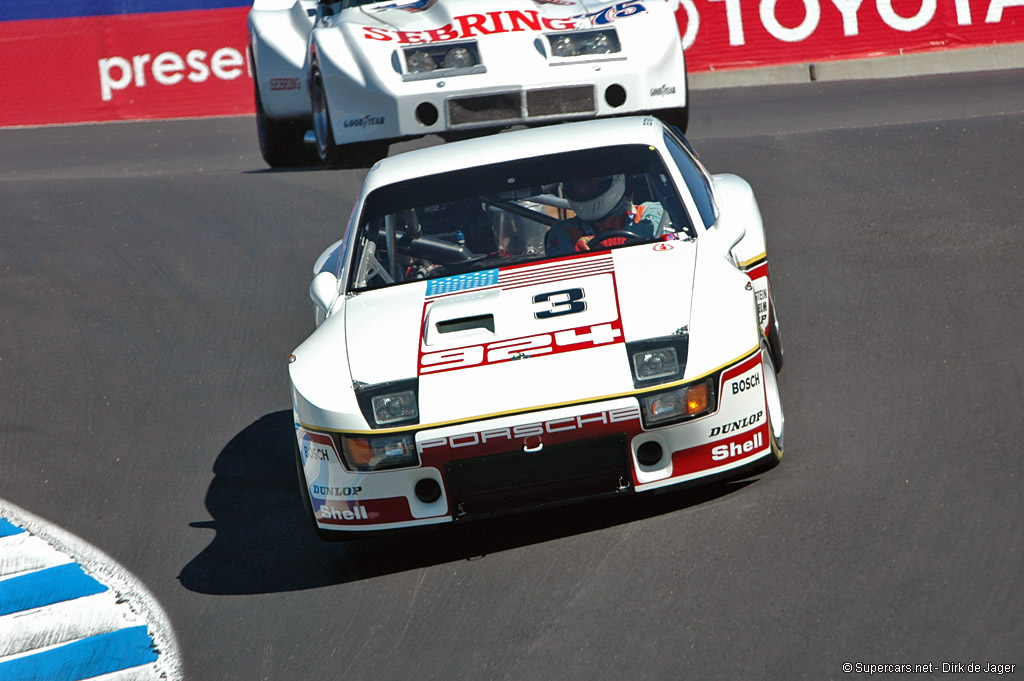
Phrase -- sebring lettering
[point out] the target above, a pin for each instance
(507, 21)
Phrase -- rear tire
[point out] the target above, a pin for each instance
(358, 155)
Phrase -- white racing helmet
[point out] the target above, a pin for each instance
(597, 197)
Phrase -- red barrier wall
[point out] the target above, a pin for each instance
(194, 63)
(125, 67)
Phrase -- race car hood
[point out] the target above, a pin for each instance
(520, 337)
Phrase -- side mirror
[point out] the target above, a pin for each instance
(324, 291)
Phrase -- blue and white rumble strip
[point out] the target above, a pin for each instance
(69, 612)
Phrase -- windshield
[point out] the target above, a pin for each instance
(527, 210)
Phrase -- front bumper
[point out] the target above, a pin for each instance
(368, 101)
(540, 458)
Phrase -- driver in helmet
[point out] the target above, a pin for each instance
(601, 206)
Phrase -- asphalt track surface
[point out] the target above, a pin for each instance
(154, 277)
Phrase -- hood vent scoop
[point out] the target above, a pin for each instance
(481, 321)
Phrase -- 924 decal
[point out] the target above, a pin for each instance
(567, 340)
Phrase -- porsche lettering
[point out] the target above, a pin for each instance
(525, 430)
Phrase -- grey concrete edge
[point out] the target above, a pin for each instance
(989, 58)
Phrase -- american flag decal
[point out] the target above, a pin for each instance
(518, 276)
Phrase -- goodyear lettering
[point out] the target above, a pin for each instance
(735, 426)
(507, 21)
(364, 122)
(734, 449)
(663, 91)
(526, 430)
(745, 384)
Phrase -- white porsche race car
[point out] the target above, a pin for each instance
(532, 318)
(360, 75)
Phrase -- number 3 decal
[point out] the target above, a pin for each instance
(569, 301)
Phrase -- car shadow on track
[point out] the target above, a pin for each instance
(264, 543)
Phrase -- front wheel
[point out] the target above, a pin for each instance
(679, 117)
(357, 155)
(776, 417)
(281, 142)
(774, 334)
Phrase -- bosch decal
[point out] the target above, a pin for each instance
(745, 383)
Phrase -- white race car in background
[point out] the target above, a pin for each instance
(460, 368)
(361, 75)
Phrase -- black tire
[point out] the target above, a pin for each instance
(303, 490)
(281, 142)
(324, 535)
(359, 155)
(774, 334)
(678, 118)
(776, 416)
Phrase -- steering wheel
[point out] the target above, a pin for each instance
(598, 240)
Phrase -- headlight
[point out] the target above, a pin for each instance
(581, 43)
(458, 58)
(395, 403)
(655, 363)
(420, 61)
(658, 360)
(673, 406)
(395, 407)
(378, 452)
